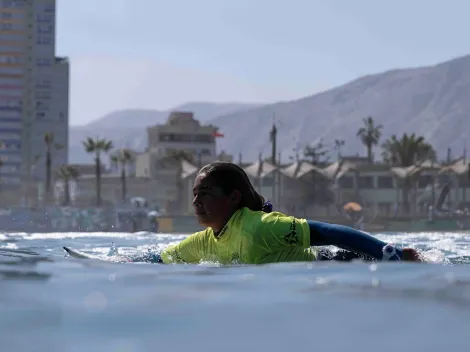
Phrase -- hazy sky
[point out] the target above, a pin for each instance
(158, 54)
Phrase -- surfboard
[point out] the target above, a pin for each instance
(80, 255)
(114, 258)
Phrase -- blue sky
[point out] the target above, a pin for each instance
(157, 54)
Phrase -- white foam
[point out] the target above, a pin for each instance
(74, 235)
(10, 246)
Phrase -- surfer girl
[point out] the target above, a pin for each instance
(241, 227)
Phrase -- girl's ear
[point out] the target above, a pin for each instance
(236, 197)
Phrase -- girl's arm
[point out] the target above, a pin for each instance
(324, 234)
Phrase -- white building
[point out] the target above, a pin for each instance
(183, 132)
(180, 133)
(30, 77)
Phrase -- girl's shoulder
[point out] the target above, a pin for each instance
(252, 220)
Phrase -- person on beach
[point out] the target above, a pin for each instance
(242, 228)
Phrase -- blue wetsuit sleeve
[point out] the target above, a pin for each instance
(324, 234)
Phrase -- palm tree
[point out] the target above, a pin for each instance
(122, 158)
(97, 146)
(317, 153)
(317, 190)
(369, 135)
(50, 145)
(66, 173)
(409, 150)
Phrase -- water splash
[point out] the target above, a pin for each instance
(113, 251)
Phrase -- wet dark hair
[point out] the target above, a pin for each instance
(230, 177)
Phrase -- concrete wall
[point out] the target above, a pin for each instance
(89, 219)
(52, 219)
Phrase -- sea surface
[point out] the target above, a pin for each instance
(50, 302)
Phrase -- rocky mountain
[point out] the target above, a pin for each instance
(430, 101)
(127, 128)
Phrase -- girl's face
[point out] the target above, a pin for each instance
(213, 208)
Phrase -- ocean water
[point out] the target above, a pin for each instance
(50, 302)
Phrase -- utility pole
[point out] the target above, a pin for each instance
(260, 172)
(464, 152)
(240, 159)
(464, 188)
(433, 192)
(273, 135)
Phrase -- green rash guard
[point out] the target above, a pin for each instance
(249, 237)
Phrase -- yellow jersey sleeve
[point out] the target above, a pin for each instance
(295, 254)
(284, 238)
(190, 250)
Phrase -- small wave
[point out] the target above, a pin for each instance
(10, 246)
(74, 235)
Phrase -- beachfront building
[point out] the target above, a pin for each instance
(303, 189)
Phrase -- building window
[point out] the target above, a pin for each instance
(365, 182)
(346, 182)
(49, 8)
(10, 59)
(43, 95)
(385, 182)
(44, 18)
(11, 146)
(166, 137)
(6, 26)
(43, 62)
(43, 40)
(424, 180)
(445, 178)
(464, 180)
(45, 29)
(13, 3)
(186, 137)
